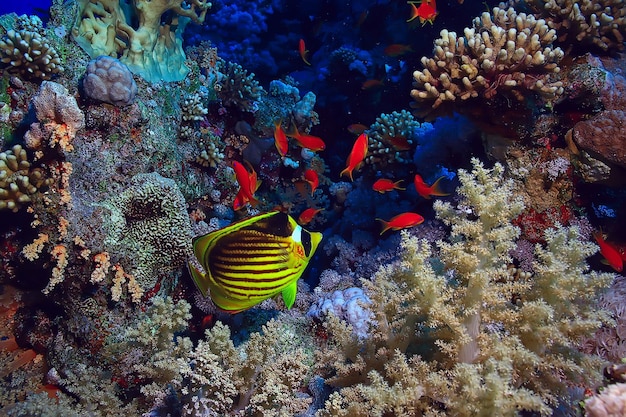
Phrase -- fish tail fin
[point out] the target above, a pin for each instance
(385, 225)
(397, 185)
(436, 187)
(346, 171)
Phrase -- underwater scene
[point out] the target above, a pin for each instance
(315, 208)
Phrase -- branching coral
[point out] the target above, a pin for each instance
(489, 342)
(29, 54)
(391, 138)
(152, 49)
(19, 180)
(235, 87)
(503, 53)
(585, 24)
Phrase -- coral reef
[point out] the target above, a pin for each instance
(19, 179)
(474, 339)
(148, 225)
(29, 54)
(503, 53)
(391, 138)
(110, 81)
(152, 49)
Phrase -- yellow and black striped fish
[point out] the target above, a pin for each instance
(253, 260)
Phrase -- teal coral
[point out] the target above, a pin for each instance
(392, 139)
(489, 343)
(153, 49)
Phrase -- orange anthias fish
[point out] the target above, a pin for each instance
(280, 139)
(372, 84)
(357, 128)
(303, 51)
(397, 49)
(311, 177)
(401, 221)
(248, 185)
(311, 142)
(427, 11)
(401, 143)
(307, 215)
(425, 190)
(610, 253)
(357, 155)
(383, 185)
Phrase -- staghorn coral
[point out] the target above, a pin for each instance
(19, 180)
(391, 138)
(150, 48)
(148, 227)
(597, 25)
(460, 334)
(29, 54)
(503, 53)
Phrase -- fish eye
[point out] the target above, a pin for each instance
(306, 243)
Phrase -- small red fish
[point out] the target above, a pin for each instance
(357, 155)
(383, 185)
(610, 253)
(397, 49)
(357, 128)
(426, 12)
(311, 142)
(280, 139)
(401, 221)
(372, 84)
(311, 177)
(307, 215)
(303, 51)
(248, 185)
(425, 190)
(401, 143)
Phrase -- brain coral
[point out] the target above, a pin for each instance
(109, 80)
(149, 227)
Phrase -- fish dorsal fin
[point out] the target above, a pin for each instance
(289, 294)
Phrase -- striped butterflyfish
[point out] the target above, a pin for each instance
(252, 260)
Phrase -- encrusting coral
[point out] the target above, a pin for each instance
(457, 332)
(503, 53)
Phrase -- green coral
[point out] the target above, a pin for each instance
(471, 339)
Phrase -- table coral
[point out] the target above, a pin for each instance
(152, 49)
(503, 53)
(149, 227)
(29, 54)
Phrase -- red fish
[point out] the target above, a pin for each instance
(612, 255)
(397, 49)
(311, 177)
(401, 221)
(357, 155)
(311, 142)
(303, 51)
(383, 185)
(425, 190)
(372, 84)
(427, 11)
(357, 128)
(248, 185)
(307, 215)
(280, 139)
(401, 143)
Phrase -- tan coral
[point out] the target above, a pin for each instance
(19, 180)
(502, 52)
(29, 54)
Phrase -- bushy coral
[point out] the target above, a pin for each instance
(471, 339)
(391, 139)
(29, 54)
(235, 87)
(503, 53)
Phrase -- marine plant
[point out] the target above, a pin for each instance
(456, 333)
